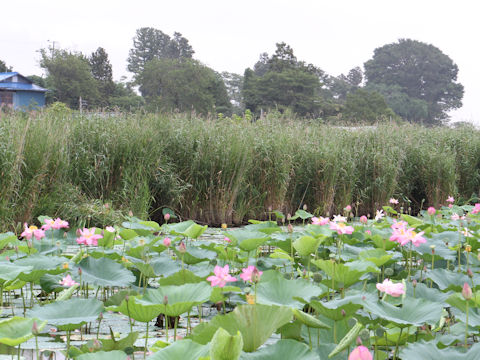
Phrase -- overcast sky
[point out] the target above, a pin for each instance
(230, 35)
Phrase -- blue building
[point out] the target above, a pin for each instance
(19, 92)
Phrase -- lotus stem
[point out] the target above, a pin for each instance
(166, 326)
(396, 346)
(466, 325)
(146, 343)
(175, 329)
(36, 348)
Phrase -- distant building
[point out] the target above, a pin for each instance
(19, 92)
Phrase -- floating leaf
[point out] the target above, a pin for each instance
(429, 351)
(68, 314)
(105, 272)
(184, 349)
(247, 240)
(282, 349)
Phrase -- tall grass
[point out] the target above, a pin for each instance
(93, 169)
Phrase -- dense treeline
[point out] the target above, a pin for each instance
(407, 79)
(218, 171)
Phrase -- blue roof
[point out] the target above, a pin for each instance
(15, 86)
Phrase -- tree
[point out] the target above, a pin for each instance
(69, 76)
(150, 44)
(422, 72)
(234, 85)
(281, 82)
(366, 106)
(4, 67)
(172, 84)
(102, 73)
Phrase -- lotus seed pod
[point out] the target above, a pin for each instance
(260, 263)
(317, 277)
(389, 272)
(379, 332)
(364, 335)
(351, 322)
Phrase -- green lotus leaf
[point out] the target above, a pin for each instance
(441, 250)
(10, 271)
(256, 323)
(424, 292)
(274, 289)
(140, 229)
(120, 344)
(194, 255)
(267, 227)
(247, 240)
(309, 320)
(104, 355)
(68, 314)
(50, 283)
(377, 256)
(339, 309)
(225, 346)
(105, 272)
(345, 274)
(184, 349)
(136, 311)
(448, 280)
(415, 312)
(8, 238)
(181, 277)
(429, 351)
(180, 298)
(307, 245)
(164, 266)
(188, 229)
(42, 265)
(17, 330)
(302, 214)
(282, 349)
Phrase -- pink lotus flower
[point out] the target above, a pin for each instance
(221, 276)
(167, 241)
(348, 208)
(402, 235)
(450, 199)
(368, 232)
(32, 231)
(341, 228)
(466, 232)
(457, 217)
(68, 281)
(431, 211)
(251, 273)
(226, 239)
(360, 353)
(363, 219)
(110, 229)
(476, 209)
(320, 220)
(393, 201)
(55, 224)
(390, 288)
(88, 237)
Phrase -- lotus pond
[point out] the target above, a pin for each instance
(302, 287)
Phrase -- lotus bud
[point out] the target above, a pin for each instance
(167, 241)
(130, 213)
(305, 207)
(358, 341)
(270, 209)
(283, 220)
(166, 217)
(127, 297)
(431, 211)
(290, 228)
(289, 216)
(255, 276)
(414, 283)
(182, 248)
(80, 271)
(348, 208)
(35, 330)
(363, 219)
(469, 273)
(466, 292)
(165, 300)
(343, 313)
(100, 317)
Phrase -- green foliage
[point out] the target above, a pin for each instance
(422, 73)
(102, 72)
(183, 85)
(150, 44)
(4, 67)
(367, 107)
(69, 77)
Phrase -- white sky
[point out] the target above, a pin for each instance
(335, 35)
